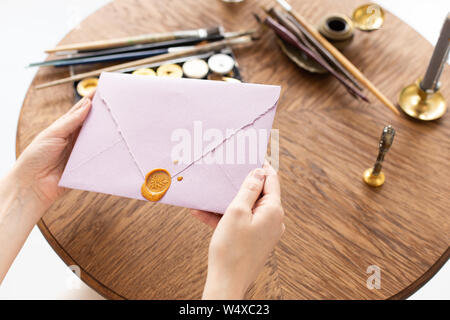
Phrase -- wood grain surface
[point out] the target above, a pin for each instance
(336, 226)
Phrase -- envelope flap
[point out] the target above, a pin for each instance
(150, 112)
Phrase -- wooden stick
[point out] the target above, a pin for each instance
(340, 57)
(145, 38)
(164, 57)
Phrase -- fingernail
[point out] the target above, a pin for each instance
(269, 168)
(259, 174)
(84, 103)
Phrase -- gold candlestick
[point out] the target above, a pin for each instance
(374, 177)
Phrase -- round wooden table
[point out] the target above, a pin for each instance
(336, 226)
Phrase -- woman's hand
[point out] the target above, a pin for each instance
(42, 163)
(32, 185)
(245, 235)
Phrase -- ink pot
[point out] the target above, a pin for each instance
(338, 29)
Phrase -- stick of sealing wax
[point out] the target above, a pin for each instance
(164, 57)
(145, 38)
(290, 38)
(340, 57)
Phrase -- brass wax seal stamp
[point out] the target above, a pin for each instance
(156, 184)
(373, 176)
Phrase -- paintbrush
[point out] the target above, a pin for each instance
(303, 35)
(168, 56)
(339, 56)
(136, 51)
(108, 58)
(145, 38)
(286, 35)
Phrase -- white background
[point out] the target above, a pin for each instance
(29, 27)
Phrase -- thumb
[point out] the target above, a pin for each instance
(250, 190)
(71, 121)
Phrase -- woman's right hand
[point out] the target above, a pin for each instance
(244, 236)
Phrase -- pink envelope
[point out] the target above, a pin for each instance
(186, 126)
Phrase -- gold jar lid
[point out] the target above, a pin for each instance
(170, 70)
(145, 72)
(86, 86)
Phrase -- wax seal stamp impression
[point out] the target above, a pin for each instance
(156, 184)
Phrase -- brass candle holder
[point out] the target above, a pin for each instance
(422, 100)
(422, 104)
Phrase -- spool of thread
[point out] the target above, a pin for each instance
(338, 29)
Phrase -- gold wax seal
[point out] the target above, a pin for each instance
(86, 86)
(170, 70)
(145, 72)
(156, 184)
